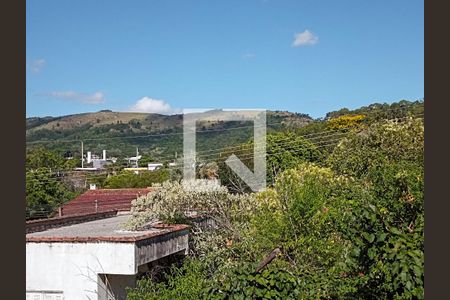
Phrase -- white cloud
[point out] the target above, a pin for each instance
(150, 105)
(36, 65)
(305, 38)
(95, 98)
(248, 55)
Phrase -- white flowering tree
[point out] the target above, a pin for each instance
(177, 202)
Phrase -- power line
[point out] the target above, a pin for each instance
(217, 151)
(150, 135)
(178, 133)
(242, 157)
(281, 142)
(320, 144)
(324, 140)
(200, 154)
(310, 137)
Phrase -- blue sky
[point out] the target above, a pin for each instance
(161, 56)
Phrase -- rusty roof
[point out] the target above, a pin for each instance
(102, 200)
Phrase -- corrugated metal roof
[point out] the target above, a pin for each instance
(102, 200)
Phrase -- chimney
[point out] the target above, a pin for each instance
(104, 154)
(89, 157)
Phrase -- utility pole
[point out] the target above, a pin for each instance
(137, 160)
(82, 153)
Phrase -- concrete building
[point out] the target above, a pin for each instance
(92, 257)
(154, 166)
(98, 163)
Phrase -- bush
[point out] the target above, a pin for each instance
(387, 229)
(40, 157)
(128, 179)
(379, 145)
(345, 122)
(185, 282)
(353, 230)
(174, 202)
(285, 150)
(44, 193)
(301, 213)
(270, 284)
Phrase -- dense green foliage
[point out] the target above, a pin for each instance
(348, 227)
(40, 157)
(45, 187)
(381, 111)
(45, 192)
(284, 150)
(388, 231)
(185, 282)
(128, 179)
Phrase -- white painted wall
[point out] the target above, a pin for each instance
(73, 267)
(154, 166)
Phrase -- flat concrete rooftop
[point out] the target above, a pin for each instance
(91, 258)
(107, 229)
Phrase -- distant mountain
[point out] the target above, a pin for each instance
(37, 121)
(160, 136)
(121, 132)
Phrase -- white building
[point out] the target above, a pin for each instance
(73, 258)
(154, 166)
(98, 163)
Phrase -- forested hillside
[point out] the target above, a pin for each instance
(160, 136)
(155, 135)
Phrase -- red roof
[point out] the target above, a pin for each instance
(103, 200)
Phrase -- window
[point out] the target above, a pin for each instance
(44, 295)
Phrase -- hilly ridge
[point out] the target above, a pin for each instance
(121, 132)
(160, 136)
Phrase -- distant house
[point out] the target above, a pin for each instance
(102, 200)
(136, 170)
(92, 257)
(99, 163)
(154, 166)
